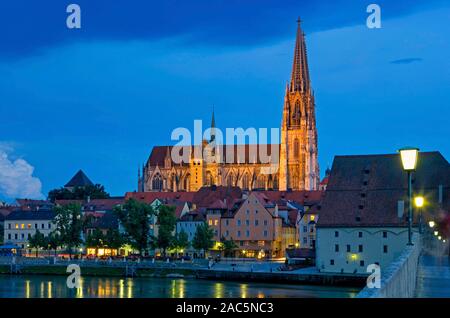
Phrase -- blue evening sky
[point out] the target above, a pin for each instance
(101, 97)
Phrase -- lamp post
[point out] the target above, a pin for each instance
(409, 156)
(419, 204)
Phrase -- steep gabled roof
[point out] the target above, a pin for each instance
(79, 180)
(365, 190)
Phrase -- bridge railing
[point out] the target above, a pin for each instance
(399, 279)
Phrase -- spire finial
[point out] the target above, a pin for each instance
(300, 72)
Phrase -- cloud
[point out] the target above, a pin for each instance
(16, 178)
(408, 60)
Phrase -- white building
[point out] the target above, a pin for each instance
(363, 215)
(19, 226)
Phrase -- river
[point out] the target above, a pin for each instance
(115, 287)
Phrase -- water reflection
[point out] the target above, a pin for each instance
(116, 287)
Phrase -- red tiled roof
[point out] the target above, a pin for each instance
(303, 197)
(365, 190)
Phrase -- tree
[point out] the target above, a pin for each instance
(203, 238)
(113, 239)
(79, 193)
(53, 241)
(181, 241)
(134, 216)
(69, 225)
(95, 240)
(37, 241)
(167, 221)
(227, 246)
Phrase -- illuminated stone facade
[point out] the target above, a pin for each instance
(292, 164)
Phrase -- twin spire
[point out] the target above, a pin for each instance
(300, 73)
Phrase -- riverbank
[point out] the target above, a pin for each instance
(308, 276)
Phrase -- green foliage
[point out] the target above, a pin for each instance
(53, 241)
(167, 222)
(134, 217)
(203, 238)
(181, 241)
(69, 225)
(37, 241)
(228, 246)
(113, 239)
(79, 193)
(96, 239)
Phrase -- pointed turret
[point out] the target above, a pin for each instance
(213, 127)
(300, 73)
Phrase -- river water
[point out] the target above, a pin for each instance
(32, 286)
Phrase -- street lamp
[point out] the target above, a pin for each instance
(419, 204)
(409, 161)
(431, 224)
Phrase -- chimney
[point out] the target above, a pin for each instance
(400, 208)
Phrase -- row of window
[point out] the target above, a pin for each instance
(360, 248)
(28, 226)
(247, 233)
(360, 234)
(238, 222)
(16, 236)
(361, 262)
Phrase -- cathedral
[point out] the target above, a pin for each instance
(293, 165)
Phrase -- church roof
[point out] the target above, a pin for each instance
(231, 154)
(79, 180)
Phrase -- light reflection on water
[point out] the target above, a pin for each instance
(116, 287)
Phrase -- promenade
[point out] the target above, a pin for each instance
(433, 278)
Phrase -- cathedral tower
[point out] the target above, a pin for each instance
(299, 168)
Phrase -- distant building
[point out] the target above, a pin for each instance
(78, 180)
(307, 227)
(188, 223)
(363, 215)
(19, 226)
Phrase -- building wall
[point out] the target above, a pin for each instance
(189, 227)
(19, 231)
(372, 242)
(307, 232)
(254, 228)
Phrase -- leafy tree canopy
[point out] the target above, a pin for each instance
(134, 216)
(79, 193)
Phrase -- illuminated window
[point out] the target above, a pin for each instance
(29, 226)
(216, 222)
(312, 217)
(17, 226)
(210, 222)
(22, 226)
(261, 243)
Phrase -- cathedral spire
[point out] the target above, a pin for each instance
(300, 73)
(213, 126)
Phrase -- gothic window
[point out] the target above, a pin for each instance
(260, 182)
(275, 182)
(245, 184)
(230, 179)
(270, 182)
(297, 113)
(157, 183)
(209, 179)
(187, 182)
(296, 148)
